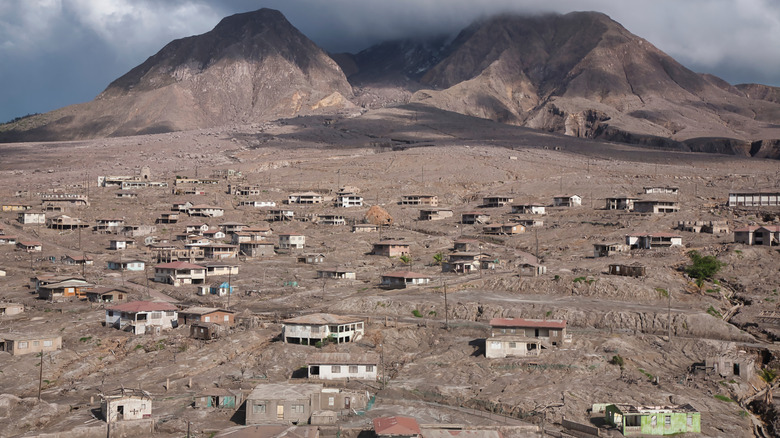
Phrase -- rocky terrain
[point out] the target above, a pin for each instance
(436, 373)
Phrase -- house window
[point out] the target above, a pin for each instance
(207, 318)
(47, 343)
(226, 318)
(258, 409)
(22, 344)
(668, 421)
(335, 369)
(513, 345)
(495, 345)
(143, 406)
(689, 420)
(369, 368)
(167, 313)
(653, 421)
(331, 401)
(298, 409)
(36, 343)
(353, 369)
(156, 315)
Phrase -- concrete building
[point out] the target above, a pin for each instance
(502, 346)
(402, 279)
(434, 214)
(757, 198)
(179, 273)
(621, 203)
(653, 240)
(317, 327)
(550, 331)
(19, 344)
(431, 200)
(30, 218)
(129, 404)
(343, 366)
(291, 241)
(495, 201)
(653, 420)
(140, 317)
(474, 217)
(529, 209)
(567, 201)
(656, 206)
(608, 249)
(391, 248)
(305, 198)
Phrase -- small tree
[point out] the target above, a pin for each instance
(407, 259)
(702, 267)
(438, 258)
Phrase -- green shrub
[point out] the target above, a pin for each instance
(617, 360)
(714, 312)
(702, 267)
(417, 313)
(723, 398)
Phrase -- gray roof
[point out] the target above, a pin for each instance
(284, 391)
(343, 359)
(322, 319)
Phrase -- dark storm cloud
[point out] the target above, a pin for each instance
(60, 52)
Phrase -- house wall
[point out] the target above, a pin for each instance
(342, 371)
(18, 347)
(278, 411)
(501, 348)
(134, 408)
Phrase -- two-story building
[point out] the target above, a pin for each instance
(342, 366)
(549, 331)
(141, 317)
(179, 273)
(318, 327)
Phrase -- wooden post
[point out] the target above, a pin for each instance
(40, 378)
(446, 308)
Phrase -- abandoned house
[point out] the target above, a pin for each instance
(120, 244)
(305, 198)
(318, 327)
(495, 201)
(256, 249)
(18, 344)
(16, 207)
(528, 209)
(29, 218)
(126, 265)
(77, 260)
(656, 206)
(311, 258)
(127, 404)
(635, 270)
(474, 217)
(216, 269)
(391, 248)
(528, 221)
(106, 295)
(219, 251)
(141, 317)
(396, 427)
(221, 398)
(206, 211)
(653, 420)
(661, 190)
(621, 203)
(349, 200)
(365, 228)
(732, 365)
(214, 234)
(11, 309)
(256, 204)
(196, 228)
(531, 269)
(402, 279)
(206, 331)
(567, 201)
(108, 225)
(346, 366)
(434, 214)
(207, 314)
(746, 234)
(758, 198)
(179, 273)
(291, 241)
(168, 218)
(71, 288)
(330, 219)
(431, 200)
(653, 240)
(502, 346)
(712, 227)
(279, 215)
(467, 245)
(503, 229)
(221, 289)
(608, 249)
(336, 274)
(549, 331)
(463, 262)
(767, 235)
(274, 403)
(63, 222)
(232, 227)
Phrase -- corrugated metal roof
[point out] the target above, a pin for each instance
(396, 426)
(534, 323)
(322, 319)
(343, 359)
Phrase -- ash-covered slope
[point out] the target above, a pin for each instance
(585, 75)
(251, 67)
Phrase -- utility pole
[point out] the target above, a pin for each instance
(40, 378)
(446, 309)
(669, 317)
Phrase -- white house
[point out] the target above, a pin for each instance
(343, 366)
(309, 329)
(567, 201)
(291, 241)
(140, 317)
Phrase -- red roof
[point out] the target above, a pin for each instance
(749, 228)
(396, 426)
(772, 228)
(535, 323)
(179, 265)
(142, 306)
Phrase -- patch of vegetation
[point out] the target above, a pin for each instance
(714, 312)
(648, 375)
(138, 347)
(723, 398)
(85, 339)
(768, 375)
(737, 251)
(417, 313)
(548, 313)
(702, 267)
(556, 277)
(744, 414)
(432, 313)
(617, 360)
(438, 258)
(579, 279)
(662, 292)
